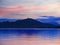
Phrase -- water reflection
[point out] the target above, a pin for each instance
(30, 37)
(43, 33)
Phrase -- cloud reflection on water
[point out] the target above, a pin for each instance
(29, 37)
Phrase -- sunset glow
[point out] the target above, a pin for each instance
(29, 8)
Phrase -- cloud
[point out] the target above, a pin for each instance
(20, 11)
(6, 3)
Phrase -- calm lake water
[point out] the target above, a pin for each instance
(29, 36)
(18, 32)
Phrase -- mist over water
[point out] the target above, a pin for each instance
(30, 37)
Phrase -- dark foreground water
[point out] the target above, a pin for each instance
(30, 36)
(44, 32)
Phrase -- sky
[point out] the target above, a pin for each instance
(19, 9)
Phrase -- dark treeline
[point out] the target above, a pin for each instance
(26, 23)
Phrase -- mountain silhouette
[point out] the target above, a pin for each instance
(26, 23)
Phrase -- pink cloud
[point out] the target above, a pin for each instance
(19, 9)
(22, 9)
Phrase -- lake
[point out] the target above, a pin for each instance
(29, 36)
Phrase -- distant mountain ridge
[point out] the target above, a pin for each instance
(49, 19)
(26, 23)
(44, 19)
